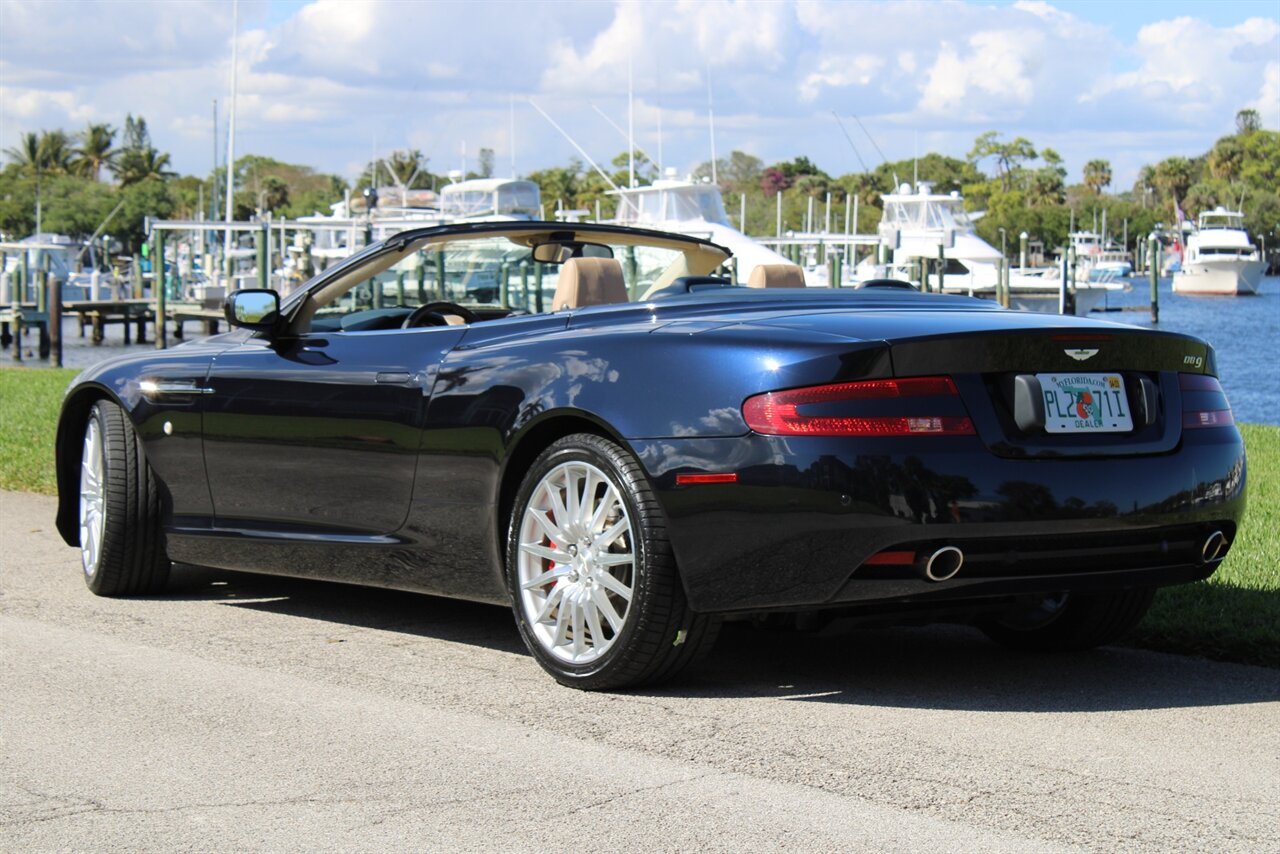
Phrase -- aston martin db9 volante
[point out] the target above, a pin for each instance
(587, 424)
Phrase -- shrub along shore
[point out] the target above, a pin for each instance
(1233, 616)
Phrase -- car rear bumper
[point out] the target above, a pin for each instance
(796, 529)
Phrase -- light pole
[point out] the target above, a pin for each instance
(1022, 251)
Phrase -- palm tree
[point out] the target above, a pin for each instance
(95, 150)
(56, 152)
(1173, 176)
(139, 164)
(42, 153)
(26, 154)
(1097, 174)
(1226, 158)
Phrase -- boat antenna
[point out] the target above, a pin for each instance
(631, 126)
(711, 121)
(883, 159)
(231, 127)
(659, 97)
(845, 131)
(583, 152)
(621, 132)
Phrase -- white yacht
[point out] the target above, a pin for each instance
(687, 207)
(1097, 259)
(917, 222)
(1219, 259)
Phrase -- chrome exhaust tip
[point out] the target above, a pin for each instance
(1215, 545)
(943, 564)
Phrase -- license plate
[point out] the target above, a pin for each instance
(1085, 403)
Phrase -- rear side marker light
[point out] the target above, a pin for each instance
(777, 413)
(691, 479)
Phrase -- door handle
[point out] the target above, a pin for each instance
(393, 377)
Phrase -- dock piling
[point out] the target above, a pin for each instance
(160, 287)
(55, 321)
(1153, 266)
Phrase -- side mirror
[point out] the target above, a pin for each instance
(253, 308)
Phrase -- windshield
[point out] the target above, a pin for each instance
(495, 274)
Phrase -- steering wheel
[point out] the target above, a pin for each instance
(432, 314)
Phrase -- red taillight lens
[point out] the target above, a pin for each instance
(776, 413)
(1204, 403)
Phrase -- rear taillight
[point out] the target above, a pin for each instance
(1204, 403)
(776, 413)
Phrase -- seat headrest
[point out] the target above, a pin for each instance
(589, 281)
(776, 276)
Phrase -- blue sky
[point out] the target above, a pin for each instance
(324, 82)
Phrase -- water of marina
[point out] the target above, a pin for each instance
(1245, 332)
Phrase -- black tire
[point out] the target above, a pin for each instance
(131, 560)
(1080, 621)
(659, 636)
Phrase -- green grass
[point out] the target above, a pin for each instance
(1233, 616)
(29, 402)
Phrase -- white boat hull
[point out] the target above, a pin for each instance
(1221, 278)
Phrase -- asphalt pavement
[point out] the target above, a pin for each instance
(249, 712)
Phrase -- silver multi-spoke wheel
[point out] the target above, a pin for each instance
(92, 498)
(576, 562)
(592, 577)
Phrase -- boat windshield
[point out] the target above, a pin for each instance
(1221, 219)
(514, 198)
(681, 204)
(927, 214)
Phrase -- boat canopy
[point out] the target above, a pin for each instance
(491, 197)
(672, 201)
(924, 211)
(1220, 217)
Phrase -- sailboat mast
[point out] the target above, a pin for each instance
(711, 121)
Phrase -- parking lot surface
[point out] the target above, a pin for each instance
(241, 711)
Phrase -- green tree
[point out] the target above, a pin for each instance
(1097, 174)
(1173, 176)
(1226, 158)
(1248, 121)
(738, 173)
(95, 150)
(1009, 156)
(138, 160)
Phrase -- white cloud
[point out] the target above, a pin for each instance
(323, 84)
(1268, 103)
(1193, 70)
(857, 70)
(997, 72)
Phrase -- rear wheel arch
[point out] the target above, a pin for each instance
(528, 445)
(68, 444)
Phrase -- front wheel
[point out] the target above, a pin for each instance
(1070, 621)
(121, 545)
(592, 578)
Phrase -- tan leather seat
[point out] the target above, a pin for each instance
(589, 281)
(776, 276)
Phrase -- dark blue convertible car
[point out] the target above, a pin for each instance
(627, 449)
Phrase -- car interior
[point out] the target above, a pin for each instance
(449, 280)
